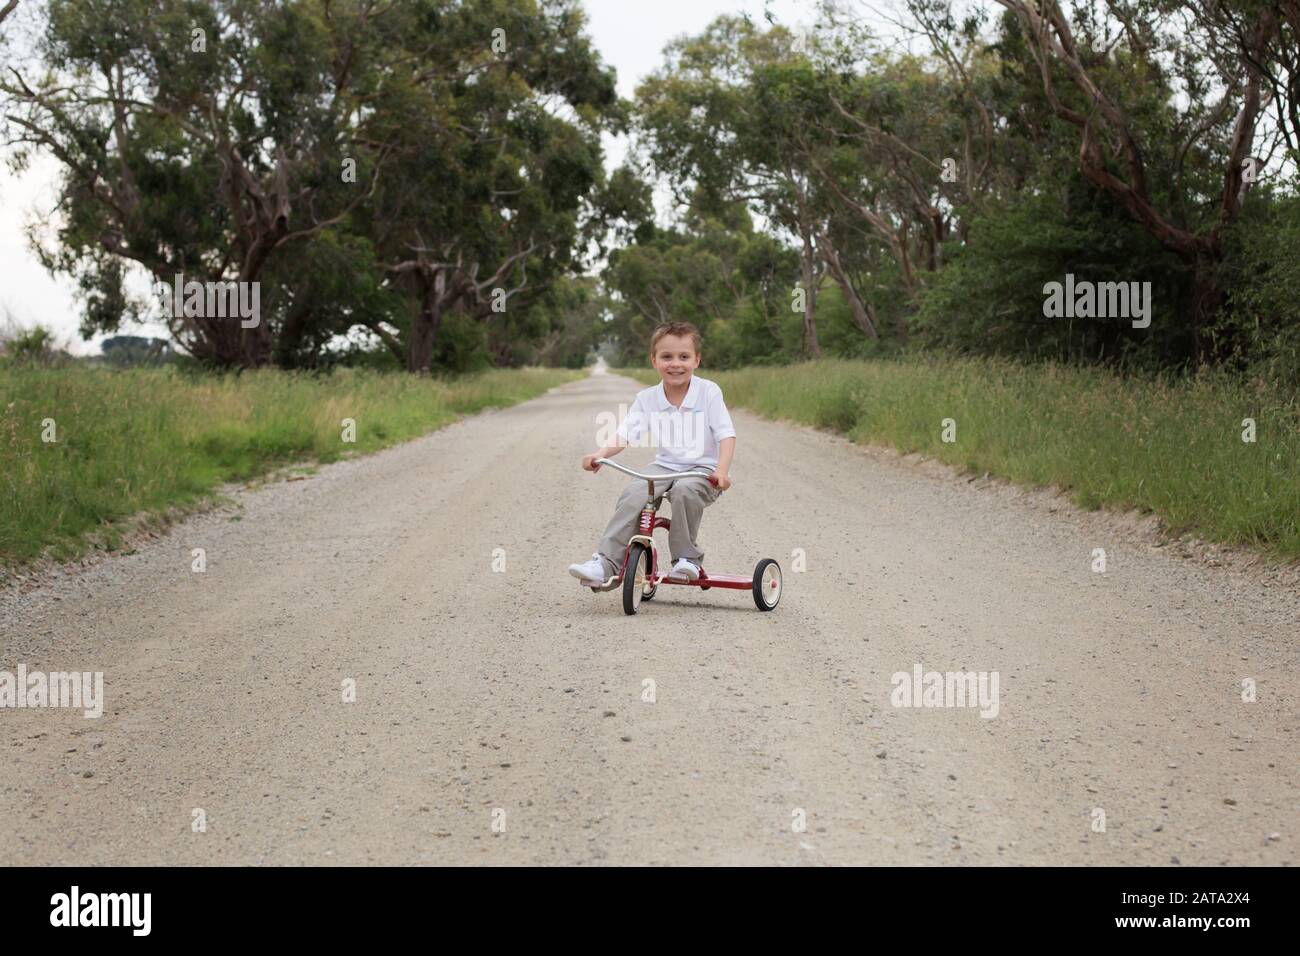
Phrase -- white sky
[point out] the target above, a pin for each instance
(630, 35)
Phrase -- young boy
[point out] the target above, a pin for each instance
(690, 426)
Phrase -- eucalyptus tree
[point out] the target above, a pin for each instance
(496, 164)
(1168, 102)
(348, 155)
(198, 140)
(730, 114)
(714, 270)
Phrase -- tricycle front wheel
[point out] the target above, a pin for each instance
(636, 576)
(767, 584)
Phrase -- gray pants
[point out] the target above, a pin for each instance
(688, 498)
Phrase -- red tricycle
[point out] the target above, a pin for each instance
(640, 575)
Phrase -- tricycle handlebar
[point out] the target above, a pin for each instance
(664, 477)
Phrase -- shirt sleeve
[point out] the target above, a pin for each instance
(719, 417)
(634, 423)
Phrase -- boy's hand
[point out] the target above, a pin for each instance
(724, 482)
(589, 463)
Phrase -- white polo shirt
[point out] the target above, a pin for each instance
(685, 437)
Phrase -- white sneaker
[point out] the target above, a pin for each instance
(685, 568)
(590, 572)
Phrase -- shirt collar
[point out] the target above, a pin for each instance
(692, 395)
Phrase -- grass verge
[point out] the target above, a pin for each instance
(149, 440)
(1169, 446)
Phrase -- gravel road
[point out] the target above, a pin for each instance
(510, 716)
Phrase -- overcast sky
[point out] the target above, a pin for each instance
(630, 35)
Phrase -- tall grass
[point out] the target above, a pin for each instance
(146, 440)
(1169, 446)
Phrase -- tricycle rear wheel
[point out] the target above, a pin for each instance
(767, 584)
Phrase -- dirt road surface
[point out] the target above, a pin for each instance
(510, 716)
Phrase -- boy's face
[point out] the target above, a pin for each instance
(675, 358)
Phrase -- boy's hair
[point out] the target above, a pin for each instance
(676, 328)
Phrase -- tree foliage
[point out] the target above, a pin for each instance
(371, 164)
(422, 184)
(929, 193)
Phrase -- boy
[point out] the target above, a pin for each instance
(688, 418)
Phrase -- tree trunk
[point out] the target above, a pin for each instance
(1207, 301)
(419, 355)
(255, 344)
(934, 241)
(291, 336)
(861, 314)
(222, 339)
(427, 322)
(905, 259)
(809, 300)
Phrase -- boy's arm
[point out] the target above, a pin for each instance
(720, 422)
(726, 449)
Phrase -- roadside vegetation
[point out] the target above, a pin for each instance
(1172, 445)
(147, 440)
